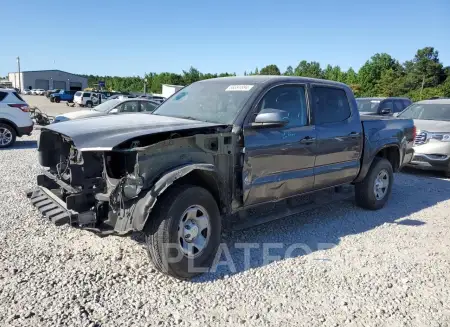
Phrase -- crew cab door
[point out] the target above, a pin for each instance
(339, 136)
(279, 160)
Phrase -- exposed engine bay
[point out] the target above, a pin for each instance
(114, 191)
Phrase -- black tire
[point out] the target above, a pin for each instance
(364, 191)
(163, 226)
(89, 104)
(8, 130)
(447, 173)
(52, 99)
(57, 99)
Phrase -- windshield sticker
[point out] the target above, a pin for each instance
(180, 96)
(244, 88)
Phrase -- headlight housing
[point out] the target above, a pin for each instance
(443, 137)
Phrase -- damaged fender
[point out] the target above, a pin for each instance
(145, 205)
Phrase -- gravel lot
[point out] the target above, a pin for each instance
(385, 268)
(50, 108)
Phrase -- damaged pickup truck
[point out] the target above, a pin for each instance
(211, 155)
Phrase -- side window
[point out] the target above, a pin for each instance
(3, 95)
(86, 95)
(387, 105)
(406, 103)
(290, 98)
(330, 105)
(129, 106)
(147, 106)
(398, 106)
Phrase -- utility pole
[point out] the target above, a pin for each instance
(145, 86)
(18, 67)
(421, 89)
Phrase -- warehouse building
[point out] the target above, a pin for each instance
(48, 80)
(168, 90)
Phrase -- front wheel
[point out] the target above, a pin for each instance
(52, 99)
(184, 231)
(57, 100)
(374, 190)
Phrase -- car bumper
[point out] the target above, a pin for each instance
(430, 162)
(25, 130)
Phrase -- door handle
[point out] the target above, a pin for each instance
(308, 140)
(354, 135)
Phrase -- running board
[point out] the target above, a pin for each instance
(293, 206)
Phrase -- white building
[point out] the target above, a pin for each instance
(48, 80)
(168, 90)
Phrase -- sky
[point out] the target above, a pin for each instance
(131, 38)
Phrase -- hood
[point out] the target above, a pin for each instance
(82, 114)
(432, 125)
(104, 133)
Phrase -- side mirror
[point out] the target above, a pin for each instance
(271, 118)
(385, 111)
(114, 111)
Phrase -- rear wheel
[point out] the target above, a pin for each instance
(7, 135)
(89, 104)
(374, 190)
(184, 231)
(57, 100)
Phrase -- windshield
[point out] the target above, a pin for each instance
(217, 102)
(429, 111)
(368, 105)
(107, 105)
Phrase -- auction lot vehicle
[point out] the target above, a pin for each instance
(15, 119)
(62, 95)
(382, 106)
(50, 92)
(432, 143)
(217, 153)
(116, 106)
(88, 99)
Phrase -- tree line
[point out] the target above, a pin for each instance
(422, 77)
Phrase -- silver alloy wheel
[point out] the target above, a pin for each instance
(193, 231)
(381, 184)
(5, 136)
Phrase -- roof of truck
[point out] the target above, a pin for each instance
(261, 79)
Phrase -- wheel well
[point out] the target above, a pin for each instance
(392, 154)
(10, 123)
(206, 179)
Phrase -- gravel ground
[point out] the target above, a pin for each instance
(384, 268)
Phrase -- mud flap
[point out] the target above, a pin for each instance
(51, 207)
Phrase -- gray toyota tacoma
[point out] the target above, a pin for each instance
(226, 151)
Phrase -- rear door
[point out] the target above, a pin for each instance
(279, 161)
(339, 136)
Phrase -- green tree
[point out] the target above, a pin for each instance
(289, 71)
(370, 72)
(391, 83)
(270, 70)
(351, 77)
(308, 69)
(425, 68)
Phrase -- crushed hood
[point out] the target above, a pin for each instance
(106, 132)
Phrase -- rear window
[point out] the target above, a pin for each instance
(78, 94)
(3, 95)
(86, 95)
(18, 96)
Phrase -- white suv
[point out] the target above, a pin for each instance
(14, 117)
(88, 99)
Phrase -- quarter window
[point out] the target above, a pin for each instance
(330, 105)
(147, 106)
(289, 98)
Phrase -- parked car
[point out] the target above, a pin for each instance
(156, 98)
(15, 119)
(50, 92)
(432, 143)
(219, 152)
(40, 92)
(88, 99)
(382, 106)
(33, 91)
(62, 95)
(115, 106)
(26, 92)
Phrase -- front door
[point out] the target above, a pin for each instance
(279, 161)
(339, 137)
